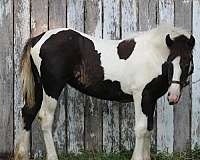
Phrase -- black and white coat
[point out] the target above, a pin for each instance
(140, 68)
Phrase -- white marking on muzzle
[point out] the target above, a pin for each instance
(174, 89)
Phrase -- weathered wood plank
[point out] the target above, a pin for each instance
(182, 111)
(129, 23)
(111, 23)
(57, 18)
(93, 106)
(164, 110)
(6, 77)
(93, 18)
(195, 130)
(129, 17)
(148, 20)
(39, 24)
(111, 30)
(21, 34)
(75, 100)
(147, 14)
(57, 13)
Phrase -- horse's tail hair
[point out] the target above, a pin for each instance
(27, 77)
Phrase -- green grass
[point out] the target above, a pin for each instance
(126, 155)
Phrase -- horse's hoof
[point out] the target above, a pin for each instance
(21, 156)
(137, 158)
(52, 157)
(20, 153)
(147, 156)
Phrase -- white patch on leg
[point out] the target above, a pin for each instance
(46, 116)
(140, 129)
(22, 148)
(147, 146)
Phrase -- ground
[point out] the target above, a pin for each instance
(126, 155)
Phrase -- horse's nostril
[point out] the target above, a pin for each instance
(168, 94)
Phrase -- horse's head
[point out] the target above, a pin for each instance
(181, 57)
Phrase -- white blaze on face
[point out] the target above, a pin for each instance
(174, 89)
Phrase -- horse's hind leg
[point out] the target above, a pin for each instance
(22, 147)
(46, 117)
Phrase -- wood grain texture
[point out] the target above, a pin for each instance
(39, 24)
(6, 77)
(148, 20)
(111, 30)
(93, 18)
(57, 19)
(93, 106)
(165, 126)
(21, 35)
(182, 111)
(111, 23)
(57, 13)
(129, 24)
(75, 99)
(147, 14)
(195, 128)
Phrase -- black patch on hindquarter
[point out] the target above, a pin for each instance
(154, 90)
(125, 48)
(69, 57)
(29, 113)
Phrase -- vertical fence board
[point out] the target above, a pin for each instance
(75, 101)
(164, 110)
(21, 34)
(39, 24)
(148, 20)
(182, 111)
(57, 19)
(195, 130)
(111, 30)
(93, 108)
(129, 21)
(6, 77)
(147, 14)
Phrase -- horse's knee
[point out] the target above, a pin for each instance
(46, 120)
(141, 129)
(46, 116)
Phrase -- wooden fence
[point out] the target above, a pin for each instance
(83, 122)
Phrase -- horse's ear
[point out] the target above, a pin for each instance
(169, 41)
(191, 41)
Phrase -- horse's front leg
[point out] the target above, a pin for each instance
(140, 128)
(147, 146)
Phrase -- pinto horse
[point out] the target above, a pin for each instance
(142, 68)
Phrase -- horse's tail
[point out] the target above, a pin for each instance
(28, 84)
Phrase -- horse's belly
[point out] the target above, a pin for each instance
(106, 89)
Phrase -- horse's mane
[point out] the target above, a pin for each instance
(160, 30)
